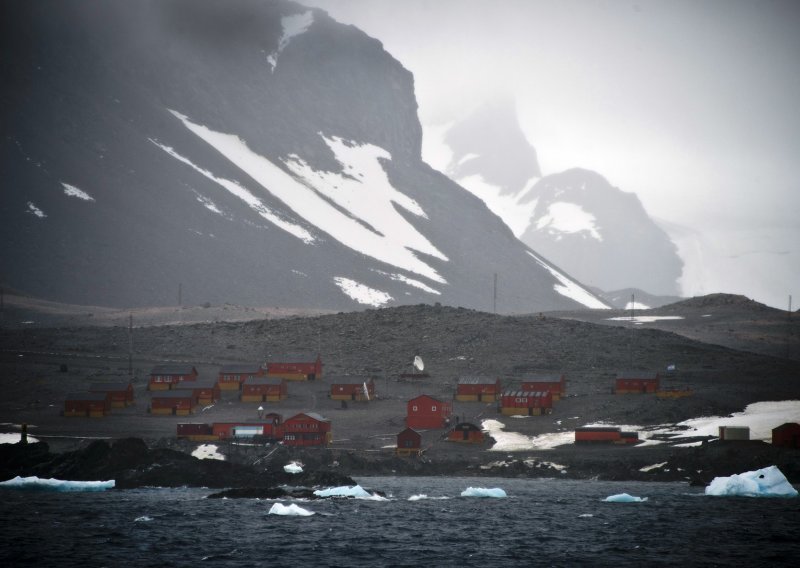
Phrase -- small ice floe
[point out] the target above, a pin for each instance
(57, 485)
(585, 516)
(208, 452)
(293, 467)
(143, 519)
(624, 498)
(766, 482)
(289, 510)
(423, 497)
(494, 492)
(355, 491)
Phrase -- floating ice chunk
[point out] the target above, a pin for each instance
(143, 519)
(767, 482)
(344, 491)
(290, 510)
(59, 485)
(293, 467)
(585, 516)
(423, 497)
(624, 498)
(495, 492)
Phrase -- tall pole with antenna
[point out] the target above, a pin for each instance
(130, 345)
(494, 298)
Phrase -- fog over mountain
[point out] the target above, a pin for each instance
(692, 106)
(243, 151)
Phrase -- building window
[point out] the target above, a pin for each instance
(433, 408)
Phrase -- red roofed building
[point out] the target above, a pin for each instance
(264, 389)
(120, 394)
(205, 392)
(481, 389)
(231, 377)
(526, 403)
(409, 443)
(556, 385)
(307, 429)
(424, 412)
(352, 388)
(175, 402)
(88, 404)
(786, 435)
(164, 377)
(295, 366)
(466, 433)
(636, 383)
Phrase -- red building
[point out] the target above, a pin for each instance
(409, 443)
(604, 435)
(307, 429)
(556, 385)
(526, 403)
(205, 392)
(636, 383)
(264, 389)
(164, 377)
(120, 394)
(482, 389)
(231, 377)
(786, 435)
(88, 404)
(175, 402)
(295, 366)
(426, 412)
(466, 433)
(352, 388)
(196, 432)
(270, 426)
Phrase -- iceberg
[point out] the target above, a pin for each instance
(624, 498)
(766, 482)
(293, 467)
(345, 491)
(59, 485)
(289, 510)
(495, 492)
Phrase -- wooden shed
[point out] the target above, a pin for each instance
(87, 404)
(120, 393)
(480, 389)
(425, 412)
(196, 432)
(786, 435)
(634, 382)
(270, 426)
(164, 377)
(409, 443)
(295, 366)
(206, 391)
(352, 388)
(175, 402)
(734, 433)
(556, 385)
(526, 403)
(264, 389)
(307, 429)
(466, 432)
(231, 377)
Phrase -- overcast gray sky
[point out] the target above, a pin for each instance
(692, 105)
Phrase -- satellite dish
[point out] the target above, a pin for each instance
(418, 364)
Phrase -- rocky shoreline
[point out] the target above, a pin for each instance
(259, 472)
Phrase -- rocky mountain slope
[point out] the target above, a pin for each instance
(249, 152)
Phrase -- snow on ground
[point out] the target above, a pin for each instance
(568, 218)
(645, 319)
(515, 442)
(208, 452)
(58, 485)
(293, 26)
(33, 210)
(636, 306)
(647, 468)
(571, 289)
(362, 188)
(291, 510)
(361, 293)
(14, 437)
(208, 203)
(508, 206)
(409, 281)
(244, 194)
(766, 482)
(73, 191)
(760, 417)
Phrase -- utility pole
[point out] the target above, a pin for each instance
(130, 345)
(180, 294)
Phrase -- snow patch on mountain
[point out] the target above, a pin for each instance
(208, 203)
(362, 293)
(564, 217)
(409, 281)
(33, 210)
(571, 289)
(293, 26)
(243, 194)
(510, 207)
(73, 191)
(362, 189)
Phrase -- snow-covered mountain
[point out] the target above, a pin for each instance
(244, 151)
(576, 218)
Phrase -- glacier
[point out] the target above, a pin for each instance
(766, 482)
(57, 485)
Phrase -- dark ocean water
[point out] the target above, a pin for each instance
(540, 523)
